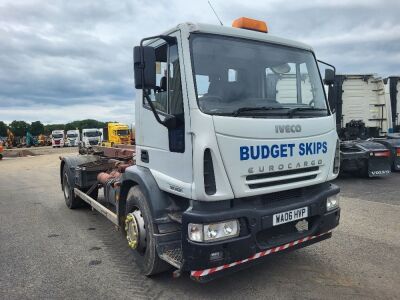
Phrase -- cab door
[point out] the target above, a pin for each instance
(166, 152)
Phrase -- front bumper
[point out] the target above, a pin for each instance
(257, 234)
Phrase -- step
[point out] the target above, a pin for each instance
(173, 256)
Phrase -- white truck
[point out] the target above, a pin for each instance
(224, 172)
(364, 121)
(91, 137)
(392, 91)
(57, 138)
(73, 138)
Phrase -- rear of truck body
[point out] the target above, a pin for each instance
(392, 141)
(363, 119)
(226, 170)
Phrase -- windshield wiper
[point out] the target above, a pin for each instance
(237, 112)
(291, 111)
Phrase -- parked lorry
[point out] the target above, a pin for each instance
(57, 138)
(73, 138)
(392, 140)
(363, 119)
(91, 137)
(115, 134)
(224, 171)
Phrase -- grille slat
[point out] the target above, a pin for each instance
(280, 173)
(283, 181)
(255, 181)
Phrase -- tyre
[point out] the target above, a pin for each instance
(1, 156)
(71, 200)
(142, 239)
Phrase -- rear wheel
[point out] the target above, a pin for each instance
(71, 200)
(68, 188)
(140, 231)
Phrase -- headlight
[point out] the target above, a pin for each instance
(213, 232)
(332, 202)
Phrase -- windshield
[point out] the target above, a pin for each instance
(122, 132)
(72, 135)
(57, 135)
(92, 133)
(236, 76)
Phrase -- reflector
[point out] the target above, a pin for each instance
(382, 154)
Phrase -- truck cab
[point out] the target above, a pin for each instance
(91, 137)
(392, 91)
(57, 138)
(227, 167)
(115, 134)
(73, 138)
(364, 122)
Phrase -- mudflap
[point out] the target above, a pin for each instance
(379, 166)
(396, 163)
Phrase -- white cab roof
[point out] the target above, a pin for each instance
(238, 32)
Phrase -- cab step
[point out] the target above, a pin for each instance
(172, 255)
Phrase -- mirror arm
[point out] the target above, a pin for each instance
(325, 63)
(153, 109)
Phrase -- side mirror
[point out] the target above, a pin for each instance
(144, 63)
(329, 76)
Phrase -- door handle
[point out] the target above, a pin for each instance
(144, 156)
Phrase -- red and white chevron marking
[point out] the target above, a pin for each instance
(201, 273)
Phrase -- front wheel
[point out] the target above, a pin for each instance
(140, 231)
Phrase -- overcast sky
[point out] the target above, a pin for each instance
(67, 60)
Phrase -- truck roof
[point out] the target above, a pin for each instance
(238, 32)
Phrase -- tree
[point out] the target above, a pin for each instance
(3, 128)
(37, 128)
(19, 128)
(50, 127)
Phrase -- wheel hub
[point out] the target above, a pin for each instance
(135, 231)
(66, 187)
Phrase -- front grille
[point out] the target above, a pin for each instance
(255, 181)
(281, 173)
(268, 200)
(93, 142)
(283, 181)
